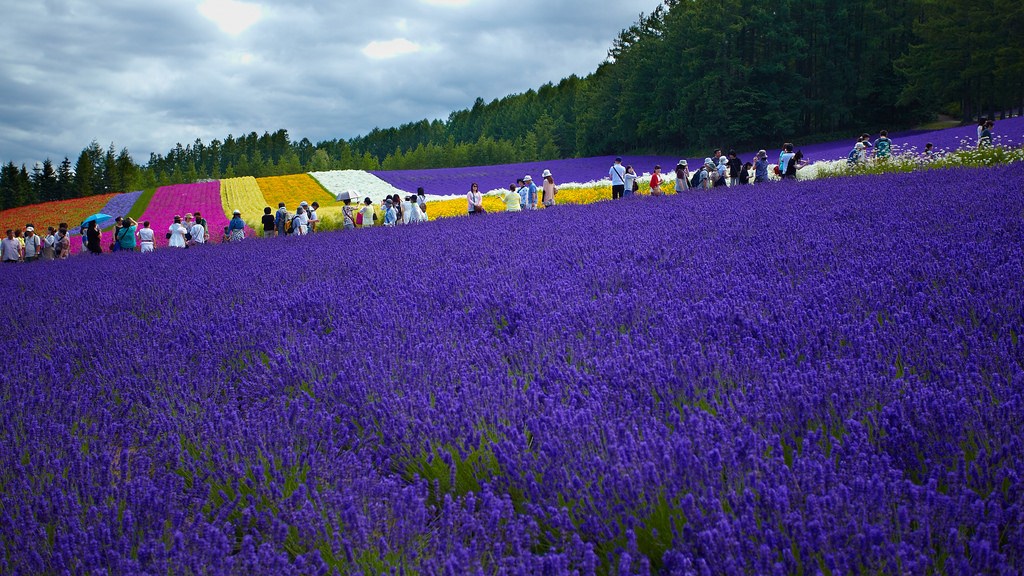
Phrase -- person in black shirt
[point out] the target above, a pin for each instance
(269, 231)
(734, 168)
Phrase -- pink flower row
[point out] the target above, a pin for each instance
(180, 199)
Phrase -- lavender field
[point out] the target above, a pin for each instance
(800, 378)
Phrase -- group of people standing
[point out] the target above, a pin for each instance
(717, 170)
(520, 196)
(27, 246)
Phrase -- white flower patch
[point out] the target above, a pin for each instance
(361, 182)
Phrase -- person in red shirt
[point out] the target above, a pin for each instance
(656, 182)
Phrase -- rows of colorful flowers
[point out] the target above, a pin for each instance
(804, 378)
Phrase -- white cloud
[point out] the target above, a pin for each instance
(231, 16)
(390, 48)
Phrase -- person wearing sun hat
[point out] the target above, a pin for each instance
(236, 228)
(550, 190)
(761, 166)
(682, 177)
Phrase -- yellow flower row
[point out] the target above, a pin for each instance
(292, 190)
(244, 195)
(587, 195)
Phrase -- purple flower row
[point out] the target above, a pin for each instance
(804, 377)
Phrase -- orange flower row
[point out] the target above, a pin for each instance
(53, 213)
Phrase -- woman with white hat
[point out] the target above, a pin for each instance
(550, 190)
(236, 228)
(682, 177)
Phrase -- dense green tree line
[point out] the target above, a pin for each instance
(691, 75)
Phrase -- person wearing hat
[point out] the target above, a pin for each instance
(33, 244)
(723, 172)
(300, 222)
(704, 176)
(550, 190)
(281, 219)
(236, 228)
(682, 177)
(529, 193)
(617, 174)
(856, 155)
(390, 214)
(761, 167)
(411, 210)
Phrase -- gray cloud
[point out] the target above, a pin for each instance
(146, 75)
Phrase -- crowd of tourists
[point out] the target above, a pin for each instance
(192, 229)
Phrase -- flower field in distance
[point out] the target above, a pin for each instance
(803, 378)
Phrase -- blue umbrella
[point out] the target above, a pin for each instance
(98, 217)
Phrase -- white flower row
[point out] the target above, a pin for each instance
(362, 183)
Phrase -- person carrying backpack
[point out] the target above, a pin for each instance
(281, 219)
(883, 146)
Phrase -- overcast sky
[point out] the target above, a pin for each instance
(147, 74)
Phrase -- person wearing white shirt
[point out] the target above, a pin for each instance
(314, 220)
(177, 232)
(411, 210)
(146, 238)
(617, 173)
(300, 223)
(198, 233)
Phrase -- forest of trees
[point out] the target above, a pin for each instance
(691, 75)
